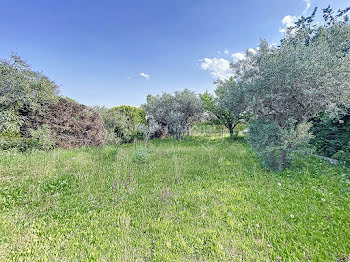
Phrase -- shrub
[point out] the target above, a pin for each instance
(133, 116)
(149, 130)
(72, 124)
(140, 154)
(275, 147)
(41, 138)
(121, 123)
(331, 136)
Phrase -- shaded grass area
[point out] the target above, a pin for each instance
(199, 199)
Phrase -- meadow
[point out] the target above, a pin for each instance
(204, 198)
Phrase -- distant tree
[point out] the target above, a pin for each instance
(122, 123)
(228, 105)
(174, 111)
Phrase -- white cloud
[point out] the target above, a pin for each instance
(253, 50)
(238, 56)
(145, 76)
(218, 67)
(226, 52)
(308, 5)
(288, 21)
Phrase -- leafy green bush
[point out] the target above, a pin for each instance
(10, 140)
(122, 123)
(42, 139)
(332, 136)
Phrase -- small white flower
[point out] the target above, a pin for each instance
(279, 184)
(323, 200)
(291, 215)
(74, 158)
(257, 225)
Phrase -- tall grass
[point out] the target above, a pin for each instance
(197, 199)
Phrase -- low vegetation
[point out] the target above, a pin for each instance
(202, 198)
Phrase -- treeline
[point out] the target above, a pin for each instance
(294, 98)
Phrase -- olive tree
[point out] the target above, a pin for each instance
(228, 105)
(174, 111)
(291, 84)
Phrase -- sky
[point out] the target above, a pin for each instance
(114, 52)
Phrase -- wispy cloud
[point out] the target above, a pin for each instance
(145, 76)
(308, 5)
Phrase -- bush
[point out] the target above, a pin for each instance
(72, 124)
(331, 136)
(275, 147)
(41, 138)
(10, 140)
(149, 130)
(133, 116)
(140, 155)
(121, 123)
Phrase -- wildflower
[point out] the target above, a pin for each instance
(257, 225)
(323, 200)
(291, 215)
(279, 184)
(74, 158)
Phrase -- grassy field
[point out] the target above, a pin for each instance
(201, 199)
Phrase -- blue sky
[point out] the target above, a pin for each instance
(116, 52)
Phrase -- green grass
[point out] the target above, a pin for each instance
(201, 199)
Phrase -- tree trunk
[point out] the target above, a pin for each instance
(282, 161)
(232, 134)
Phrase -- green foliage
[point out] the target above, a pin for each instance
(289, 85)
(134, 115)
(23, 92)
(41, 138)
(140, 154)
(177, 111)
(276, 147)
(331, 136)
(149, 129)
(228, 106)
(10, 140)
(122, 123)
